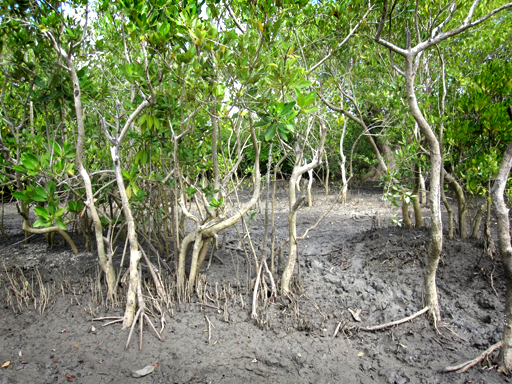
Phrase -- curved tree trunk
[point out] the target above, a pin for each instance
(436, 231)
(412, 57)
(505, 358)
(461, 204)
(203, 234)
(104, 261)
(294, 205)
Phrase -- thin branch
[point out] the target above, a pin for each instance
(382, 20)
(340, 45)
(237, 23)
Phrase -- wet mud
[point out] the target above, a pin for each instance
(355, 269)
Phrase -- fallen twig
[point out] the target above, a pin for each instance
(393, 323)
(463, 367)
(340, 325)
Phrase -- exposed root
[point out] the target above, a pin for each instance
(23, 292)
(393, 323)
(463, 367)
(260, 281)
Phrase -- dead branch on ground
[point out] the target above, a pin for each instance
(393, 323)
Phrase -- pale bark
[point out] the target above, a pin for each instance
(134, 294)
(203, 233)
(294, 204)
(477, 222)
(448, 208)
(461, 204)
(405, 214)
(436, 243)
(343, 162)
(104, 261)
(418, 218)
(412, 57)
(309, 187)
(135, 255)
(502, 214)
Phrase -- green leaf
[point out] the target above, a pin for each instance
(42, 223)
(283, 132)
(42, 212)
(60, 223)
(20, 196)
(287, 108)
(29, 161)
(20, 168)
(41, 193)
(303, 84)
(51, 188)
(271, 132)
(59, 212)
(310, 110)
(38, 198)
(52, 208)
(309, 99)
(301, 99)
(264, 121)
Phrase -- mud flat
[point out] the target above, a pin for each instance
(356, 270)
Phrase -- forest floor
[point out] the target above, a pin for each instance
(354, 266)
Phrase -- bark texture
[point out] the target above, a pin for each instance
(502, 214)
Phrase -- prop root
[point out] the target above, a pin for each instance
(463, 367)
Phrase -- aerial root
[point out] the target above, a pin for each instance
(140, 316)
(463, 367)
(393, 323)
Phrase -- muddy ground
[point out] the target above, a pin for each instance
(355, 260)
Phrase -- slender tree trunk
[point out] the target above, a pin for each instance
(436, 231)
(448, 209)
(294, 205)
(135, 255)
(343, 163)
(405, 214)
(418, 218)
(105, 262)
(423, 188)
(502, 214)
(327, 175)
(477, 222)
(309, 187)
(461, 204)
